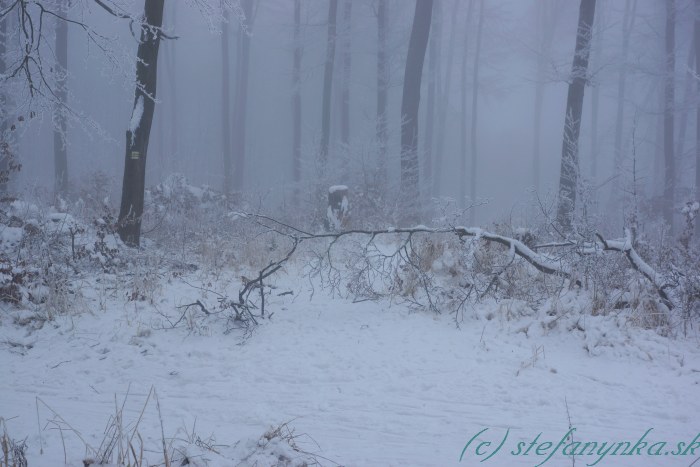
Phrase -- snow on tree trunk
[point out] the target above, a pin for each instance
(61, 92)
(568, 179)
(338, 208)
(138, 134)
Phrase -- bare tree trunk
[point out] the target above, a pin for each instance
(61, 92)
(568, 179)
(463, 112)
(444, 101)
(226, 103)
(328, 85)
(595, 97)
(627, 26)
(382, 86)
(4, 98)
(696, 39)
(687, 98)
(410, 179)
(347, 62)
(434, 52)
(241, 98)
(296, 103)
(475, 113)
(138, 134)
(669, 101)
(171, 87)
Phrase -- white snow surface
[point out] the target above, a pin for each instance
(371, 383)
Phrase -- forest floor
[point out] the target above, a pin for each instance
(353, 384)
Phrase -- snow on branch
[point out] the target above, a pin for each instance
(625, 246)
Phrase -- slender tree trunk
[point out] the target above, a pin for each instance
(347, 62)
(138, 134)
(696, 39)
(226, 103)
(296, 103)
(568, 179)
(418, 43)
(61, 92)
(475, 113)
(172, 87)
(627, 26)
(595, 96)
(4, 101)
(328, 85)
(382, 88)
(669, 102)
(241, 100)
(687, 98)
(433, 58)
(444, 101)
(463, 113)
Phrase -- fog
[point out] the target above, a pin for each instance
(187, 128)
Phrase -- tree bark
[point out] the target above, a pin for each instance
(4, 98)
(241, 98)
(418, 43)
(226, 103)
(328, 85)
(568, 179)
(61, 92)
(138, 134)
(382, 88)
(296, 103)
(475, 114)
(669, 101)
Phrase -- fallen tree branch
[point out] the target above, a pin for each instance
(636, 261)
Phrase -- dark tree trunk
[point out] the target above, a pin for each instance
(669, 101)
(444, 101)
(226, 103)
(138, 134)
(382, 87)
(328, 85)
(418, 43)
(568, 179)
(475, 113)
(241, 100)
(296, 103)
(61, 92)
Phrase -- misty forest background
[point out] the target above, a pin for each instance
(241, 87)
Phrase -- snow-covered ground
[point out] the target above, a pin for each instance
(361, 384)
